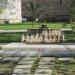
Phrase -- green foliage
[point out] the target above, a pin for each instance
(33, 8)
(72, 11)
(65, 67)
(1, 10)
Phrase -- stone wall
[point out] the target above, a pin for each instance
(12, 11)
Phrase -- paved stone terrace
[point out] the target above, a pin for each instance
(29, 62)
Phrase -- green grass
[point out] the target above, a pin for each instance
(65, 68)
(16, 37)
(69, 36)
(8, 38)
(29, 25)
(7, 67)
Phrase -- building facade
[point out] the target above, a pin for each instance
(53, 10)
(48, 9)
(11, 11)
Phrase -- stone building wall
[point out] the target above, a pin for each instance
(52, 9)
(12, 11)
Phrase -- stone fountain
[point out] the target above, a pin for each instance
(43, 35)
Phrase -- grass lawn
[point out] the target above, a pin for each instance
(69, 37)
(6, 68)
(16, 37)
(9, 38)
(29, 25)
(65, 68)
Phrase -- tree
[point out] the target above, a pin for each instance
(30, 9)
(33, 9)
(72, 14)
(72, 11)
(2, 7)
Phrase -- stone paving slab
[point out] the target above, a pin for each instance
(47, 59)
(20, 74)
(23, 66)
(42, 74)
(11, 59)
(21, 71)
(25, 62)
(46, 63)
(45, 71)
(1, 58)
(44, 67)
(29, 58)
